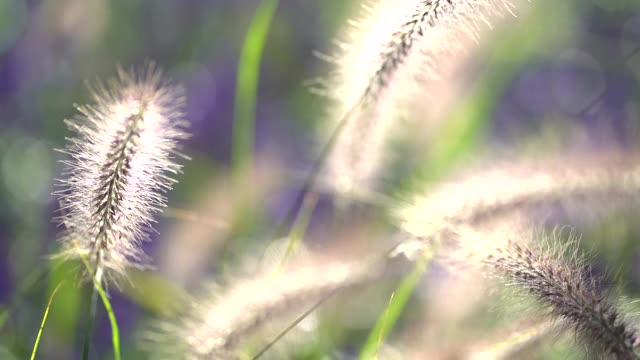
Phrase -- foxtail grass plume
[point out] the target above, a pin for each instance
(120, 165)
(486, 195)
(378, 63)
(570, 293)
(513, 344)
(216, 323)
(514, 341)
(461, 215)
(556, 276)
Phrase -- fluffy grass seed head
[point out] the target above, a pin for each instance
(217, 322)
(453, 215)
(557, 277)
(378, 62)
(522, 183)
(571, 294)
(121, 162)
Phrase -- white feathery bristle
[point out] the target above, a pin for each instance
(379, 63)
(506, 189)
(120, 166)
(214, 324)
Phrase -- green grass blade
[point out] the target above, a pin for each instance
(44, 321)
(4, 316)
(299, 229)
(115, 331)
(87, 339)
(394, 309)
(247, 85)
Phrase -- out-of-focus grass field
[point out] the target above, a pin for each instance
(563, 73)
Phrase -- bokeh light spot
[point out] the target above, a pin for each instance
(26, 170)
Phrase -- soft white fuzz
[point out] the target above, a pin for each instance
(505, 189)
(384, 62)
(119, 167)
(215, 323)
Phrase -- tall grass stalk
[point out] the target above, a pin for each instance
(247, 86)
(394, 309)
(115, 329)
(215, 322)
(119, 168)
(514, 343)
(34, 351)
(377, 64)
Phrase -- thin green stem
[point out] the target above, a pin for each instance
(397, 302)
(299, 228)
(247, 86)
(93, 305)
(115, 332)
(295, 323)
(44, 321)
(86, 343)
(509, 347)
(382, 261)
(310, 182)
